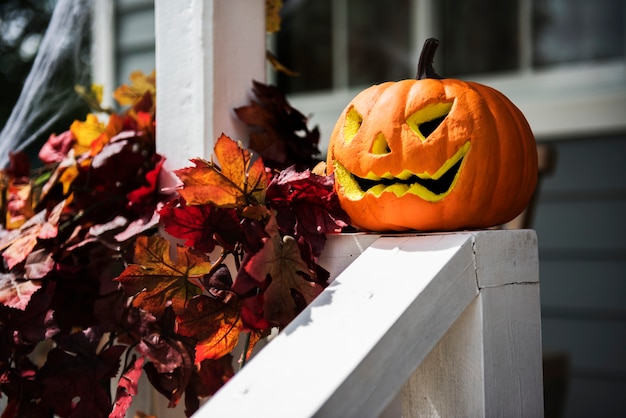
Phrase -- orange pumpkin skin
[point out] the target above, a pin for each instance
(483, 134)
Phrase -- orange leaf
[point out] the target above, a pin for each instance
(156, 280)
(222, 342)
(235, 183)
(140, 85)
(86, 132)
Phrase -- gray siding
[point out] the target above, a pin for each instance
(581, 226)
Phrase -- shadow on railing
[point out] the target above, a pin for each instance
(436, 325)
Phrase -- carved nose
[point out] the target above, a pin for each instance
(380, 145)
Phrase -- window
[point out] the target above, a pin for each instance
(556, 59)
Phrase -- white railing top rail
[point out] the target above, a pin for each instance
(449, 321)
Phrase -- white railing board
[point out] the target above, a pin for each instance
(349, 353)
(488, 364)
(506, 257)
(449, 382)
(513, 384)
(342, 249)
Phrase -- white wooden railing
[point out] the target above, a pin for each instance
(441, 325)
(437, 325)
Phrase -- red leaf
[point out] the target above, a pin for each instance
(213, 374)
(127, 388)
(290, 279)
(307, 206)
(202, 225)
(282, 137)
(56, 147)
(146, 196)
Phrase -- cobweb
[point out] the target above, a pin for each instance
(48, 98)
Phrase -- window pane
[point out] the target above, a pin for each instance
(304, 45)
(577, 30)
(378, 42)
(477, 36)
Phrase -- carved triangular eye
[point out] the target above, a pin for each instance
(380, 145)
(352, 124)
(426, 120)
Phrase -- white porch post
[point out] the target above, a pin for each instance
(207, 54)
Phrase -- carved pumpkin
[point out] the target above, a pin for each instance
(432, 154)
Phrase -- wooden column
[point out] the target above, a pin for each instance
(207, 54)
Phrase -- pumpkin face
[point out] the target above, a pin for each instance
(432, 154)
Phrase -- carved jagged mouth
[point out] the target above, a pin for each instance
(436, 186)
(430, 187)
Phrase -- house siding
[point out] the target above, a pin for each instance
(582, 259)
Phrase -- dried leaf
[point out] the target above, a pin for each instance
(127, 387)
(16, 293)
(156, 280)
(281, 135)
(272, 15)
(201, 226)
(235, 183)
(290, 279)
(86, 132)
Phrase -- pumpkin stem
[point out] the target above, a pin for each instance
(427, 56)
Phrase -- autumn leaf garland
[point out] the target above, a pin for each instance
(86, 269)
(270, 222)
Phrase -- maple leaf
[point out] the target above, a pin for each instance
(19, 243)
(127, 387)
(219, 283)
(74, 372)
(282, 137)
(135, 95)
(201, 226)
(202, 317)
(16, 293)
(235, 183)
(272, 15)
(19, 198)
(307, 206)
(172, 382)
(56, 147)
(217, 325)
(145, 197)
(19, 164)
(222, 342)
(156, 280)
(29, 327)
(211, 375)
(290, 280)
(86, 132)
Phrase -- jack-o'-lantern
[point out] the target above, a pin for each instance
(432, 154)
